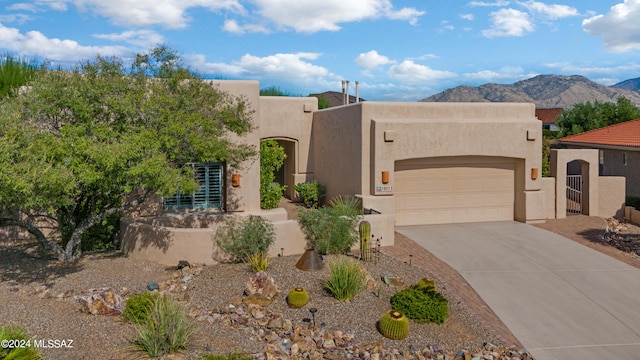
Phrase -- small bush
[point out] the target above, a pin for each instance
(17, 353)
(241, 238)
(259, 262)
(421, 303)
(346, 205)
(138, 307)
(633, 201)
(347, 278)
(327, 232)
(167, 330)
(311, 193)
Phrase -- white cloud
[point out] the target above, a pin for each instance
(509, 22)
(312, 16)
(619, 28)
(412, 73)
(34, 43)
(484, 3)
(467, 17)
(233, 27)
(372, 60)
(142, 37)
(553, 11)
(23, 7)
(37, 5)
(15, 18)
(168, 13)
(504, 73)
(591, 70)
(292, 67)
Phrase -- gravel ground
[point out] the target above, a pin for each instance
(106, 337)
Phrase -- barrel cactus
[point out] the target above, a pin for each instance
(365, 241)
(297, 297)
(427, 283)
(394, 325)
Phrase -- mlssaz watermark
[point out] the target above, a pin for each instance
(37, 343)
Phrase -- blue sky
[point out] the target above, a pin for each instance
(397, 50)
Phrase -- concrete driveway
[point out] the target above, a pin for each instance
(562, 300)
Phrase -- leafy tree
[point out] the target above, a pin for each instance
(323, 103)
(589, 116)
(272, 157)
(16, 72)
(275, 91)
(82, 145)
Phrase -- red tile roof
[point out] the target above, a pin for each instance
(622, 134)
(548, 116)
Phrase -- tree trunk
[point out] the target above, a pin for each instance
(49, 246)
(70, 252)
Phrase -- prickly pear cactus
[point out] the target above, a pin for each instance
(394, 325)
(365, 241)
(297, 297)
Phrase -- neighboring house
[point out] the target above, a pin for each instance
(548, 117)
(336, 98)
(411, 163)
(619, 151)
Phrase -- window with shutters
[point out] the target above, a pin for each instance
(209, 194)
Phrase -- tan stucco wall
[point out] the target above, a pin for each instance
(353, 144)
(246, 197)
(611, 196)
(589, 159)
(289, 119)
(549, 188)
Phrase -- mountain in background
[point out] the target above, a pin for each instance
(546, 91)
(631, 84)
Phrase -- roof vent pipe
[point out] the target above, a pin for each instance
(347, 101)
(343, 101)
(357, 96)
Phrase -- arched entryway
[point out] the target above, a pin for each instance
(576, 174)
(285, 176)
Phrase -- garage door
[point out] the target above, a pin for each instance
(453, 190)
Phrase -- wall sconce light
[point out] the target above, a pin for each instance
(385, 177)
(534, 173)
(235, 180)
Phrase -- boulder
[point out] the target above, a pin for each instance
(261, 290)
(101, 302)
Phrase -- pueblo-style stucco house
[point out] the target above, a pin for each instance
(411, 163)
(618, 146)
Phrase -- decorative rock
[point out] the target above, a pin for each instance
(183, 264)
(101, 302)
(261, 289)
(151, 286)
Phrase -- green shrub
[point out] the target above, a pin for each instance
(311, 193)
(346, 205)
(28, 352)
(232, 356)
(327, 232)
(633, 201)
(347, 278)
(259, 262)
(138, 307)
(421, 303)
(242, 238)
(272, 156)
(167, 330)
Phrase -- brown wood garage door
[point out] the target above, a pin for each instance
(454, 190)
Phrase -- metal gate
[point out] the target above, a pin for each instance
(574, 194)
